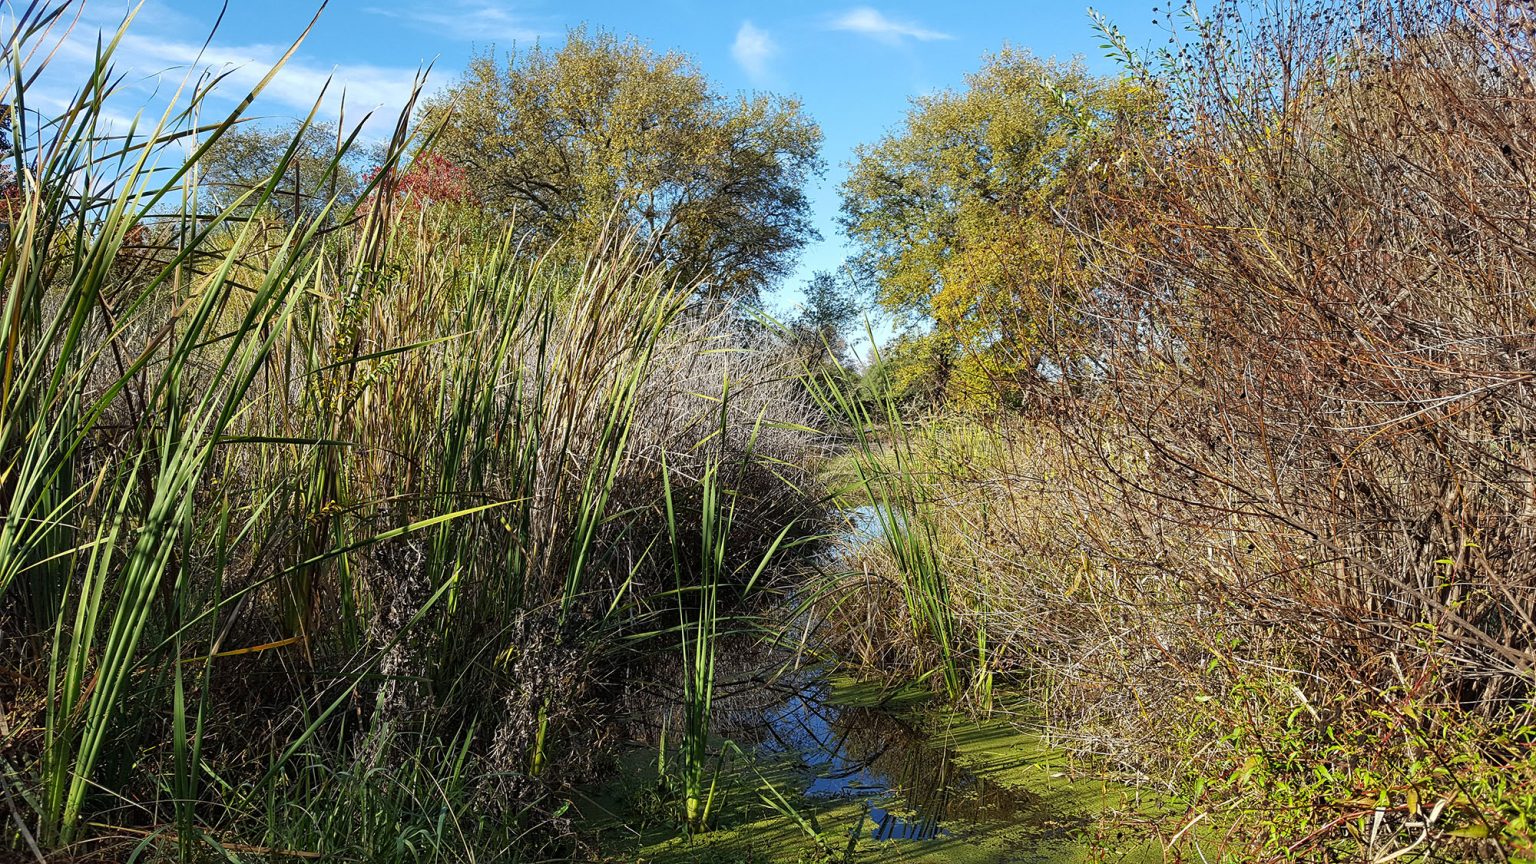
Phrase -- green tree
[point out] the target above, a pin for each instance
(953, 214)
(605, 130)
(244, 159)
(915, 370)
(831, 307)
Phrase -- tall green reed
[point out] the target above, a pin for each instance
(71, 324)
(124, 388)
(699, 576)
(277, 489)
(889, 474)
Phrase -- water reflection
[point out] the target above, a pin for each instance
(832, 743)
(864, 523)
(914, 787)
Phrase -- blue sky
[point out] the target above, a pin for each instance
(855, 66)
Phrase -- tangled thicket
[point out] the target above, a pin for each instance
(1268, 517)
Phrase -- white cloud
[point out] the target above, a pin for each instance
(752, 50)
(154, 68)
(470, 20)
(297, 85)
(871, 22)
(162, 57)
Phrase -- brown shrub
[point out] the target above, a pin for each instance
(1281, 500)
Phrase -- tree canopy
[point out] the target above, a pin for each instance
(605, 130)
(830, 309)
(245, 157)
(952, 214)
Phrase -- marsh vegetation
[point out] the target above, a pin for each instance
(452, 497)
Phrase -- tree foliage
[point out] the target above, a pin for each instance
(831, 307)
(606, 130)
(953, 213)
(245, 158)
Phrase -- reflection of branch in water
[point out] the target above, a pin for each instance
(911, 783)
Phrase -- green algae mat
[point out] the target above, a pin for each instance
(842, 772)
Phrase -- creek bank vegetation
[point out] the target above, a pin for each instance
(1224, 392)
(340, 513)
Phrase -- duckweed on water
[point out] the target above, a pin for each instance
(850, 773)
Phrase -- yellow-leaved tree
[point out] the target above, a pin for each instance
(955, 220)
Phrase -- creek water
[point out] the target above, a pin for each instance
(901, 763)
(880, 774)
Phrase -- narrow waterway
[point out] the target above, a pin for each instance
(818, 767)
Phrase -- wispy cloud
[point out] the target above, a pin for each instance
(155, 67)
(470, 20)
(297, 85)
(753, 49)
(871, 22)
